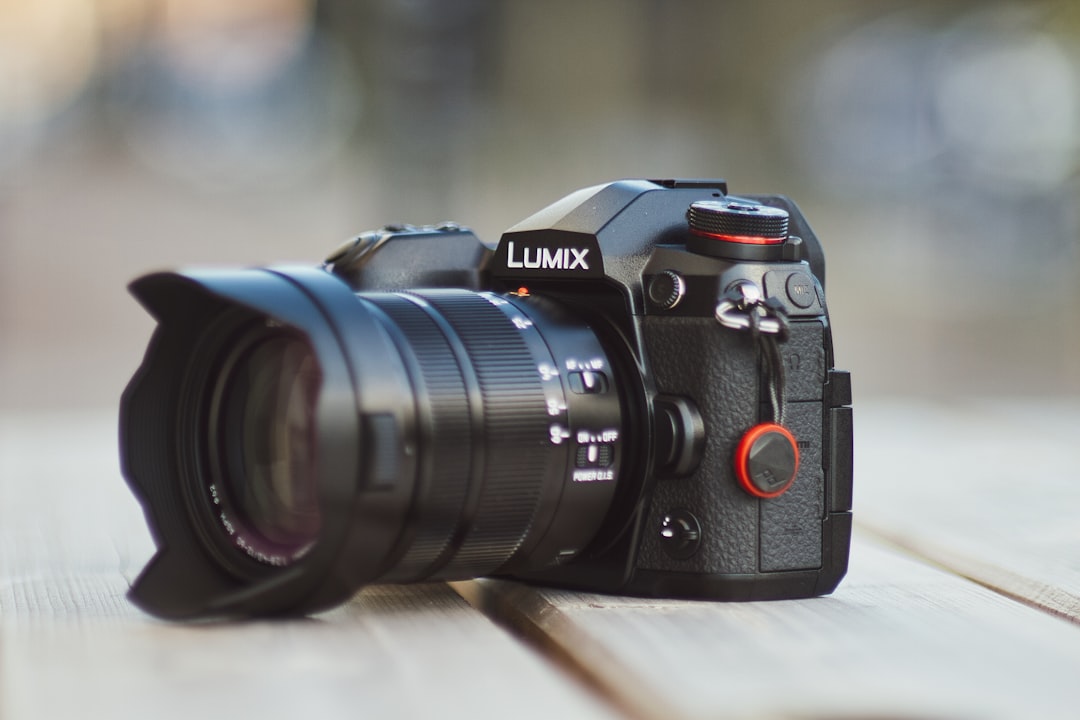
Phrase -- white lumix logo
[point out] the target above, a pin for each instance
(547, 258)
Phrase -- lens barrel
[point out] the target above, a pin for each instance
(482, 433)
(326, 439)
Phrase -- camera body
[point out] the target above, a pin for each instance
(624, 259)
(632, 393)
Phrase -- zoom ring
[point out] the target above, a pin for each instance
(516, 447)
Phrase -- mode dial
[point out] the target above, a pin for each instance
(737, 228)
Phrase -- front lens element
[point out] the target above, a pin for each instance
(267, 439)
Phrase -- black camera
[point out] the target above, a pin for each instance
(633, 393)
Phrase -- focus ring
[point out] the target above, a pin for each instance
(446, 437)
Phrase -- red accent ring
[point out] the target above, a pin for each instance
(742, 454)
(742, 239)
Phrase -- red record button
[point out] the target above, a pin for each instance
(767, 460)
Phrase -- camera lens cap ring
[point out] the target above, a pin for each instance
(767, 460)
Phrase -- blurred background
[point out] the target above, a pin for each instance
(933, 146)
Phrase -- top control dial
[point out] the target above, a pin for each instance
(738, 221)
(738, 229)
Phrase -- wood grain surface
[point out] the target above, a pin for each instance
(898, 639)
(990, 490)
(72, 538)
(944, 494)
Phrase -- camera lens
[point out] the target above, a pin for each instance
(263, 441)
(294, 440)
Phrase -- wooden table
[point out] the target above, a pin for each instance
(962, 601)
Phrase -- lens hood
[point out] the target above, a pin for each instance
(162, 447)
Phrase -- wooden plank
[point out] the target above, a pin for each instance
(392, 652)
(989, 489)
(897, 639)
(71, 539)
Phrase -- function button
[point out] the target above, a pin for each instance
(796, 289)
(588, 382)
(801, 290)
(667, 289)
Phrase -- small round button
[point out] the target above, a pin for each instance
(667, 289)
(800, 289)
(680, 534)
(767, 460)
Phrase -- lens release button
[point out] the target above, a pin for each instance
(680, 436)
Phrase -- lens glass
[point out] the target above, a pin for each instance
(268, 436)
